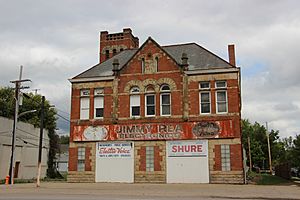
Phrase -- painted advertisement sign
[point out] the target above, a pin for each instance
(154, 131)
(194, 148)
(114, 150)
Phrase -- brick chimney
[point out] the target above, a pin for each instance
(113, 43)
(231, 54)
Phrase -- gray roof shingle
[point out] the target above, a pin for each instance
(198, 58)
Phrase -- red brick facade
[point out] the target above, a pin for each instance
(184, 93)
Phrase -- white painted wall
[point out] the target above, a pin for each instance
(26, 154)
(115, 169)
(187, 169)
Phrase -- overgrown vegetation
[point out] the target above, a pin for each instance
(282, 150)
(33, 103)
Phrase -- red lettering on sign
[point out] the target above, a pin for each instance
(187, 148)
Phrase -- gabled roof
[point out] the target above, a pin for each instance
(105, 68)
(199, 58)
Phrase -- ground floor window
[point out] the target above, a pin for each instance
(225, 157)
(150, 159)
(81, 159)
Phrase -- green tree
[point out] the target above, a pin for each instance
(295, 152)
(64, 139)
(259, 144)
(33, 103)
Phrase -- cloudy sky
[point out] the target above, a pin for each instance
(56, 40)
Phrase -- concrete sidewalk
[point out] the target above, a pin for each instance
(52, 190)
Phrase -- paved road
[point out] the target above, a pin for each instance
(117, 191)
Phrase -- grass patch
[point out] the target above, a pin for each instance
(267, 179)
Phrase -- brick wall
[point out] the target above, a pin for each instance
(236, 175)
(159, 173)
(73, 159)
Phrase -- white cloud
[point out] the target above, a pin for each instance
(56, 40)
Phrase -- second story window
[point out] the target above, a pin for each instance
(165, 101)
(150, 102)
(84, 104)
(204, 95)
(98, 103)
(135, 102)
(221, 97)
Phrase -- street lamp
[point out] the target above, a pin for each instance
(13, 145)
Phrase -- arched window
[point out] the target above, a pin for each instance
(150, 102)
(165, 100)
(135, 102)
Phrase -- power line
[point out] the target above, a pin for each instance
(62, 111)
(26, 142)
(63, 117)
(30, 133)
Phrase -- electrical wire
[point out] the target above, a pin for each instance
(31, 134)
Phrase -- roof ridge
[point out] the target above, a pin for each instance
(182, 44)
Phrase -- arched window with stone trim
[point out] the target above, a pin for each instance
(165, 100)
(150, 101)
(135, 102)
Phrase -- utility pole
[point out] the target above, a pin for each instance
(13, 141)
(269, 148)
(41, 143)
(249, 152)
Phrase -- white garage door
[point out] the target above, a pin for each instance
(115, 162)
(187, 161)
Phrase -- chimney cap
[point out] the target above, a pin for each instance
(127, 30)
(231, 54)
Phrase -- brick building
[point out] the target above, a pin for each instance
(152, 113)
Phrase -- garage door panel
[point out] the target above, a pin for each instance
(115, 162)
(187, 162)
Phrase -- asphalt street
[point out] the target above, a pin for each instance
(118, 191)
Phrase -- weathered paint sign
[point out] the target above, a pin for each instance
(154, 131)
(114, 150)
(193, 148)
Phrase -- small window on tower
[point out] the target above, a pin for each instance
(121, 49)
(107, 54)
(114, 52)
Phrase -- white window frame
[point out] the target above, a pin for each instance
(135, 93)
(98, 99)
(224, 87)
(146, 105)
(81, 159)
(226, 102)
(221, 89)
(84, 111)
(225, 157)
(204, 90)
(161, 105)
(200, 102)
(165, 92)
